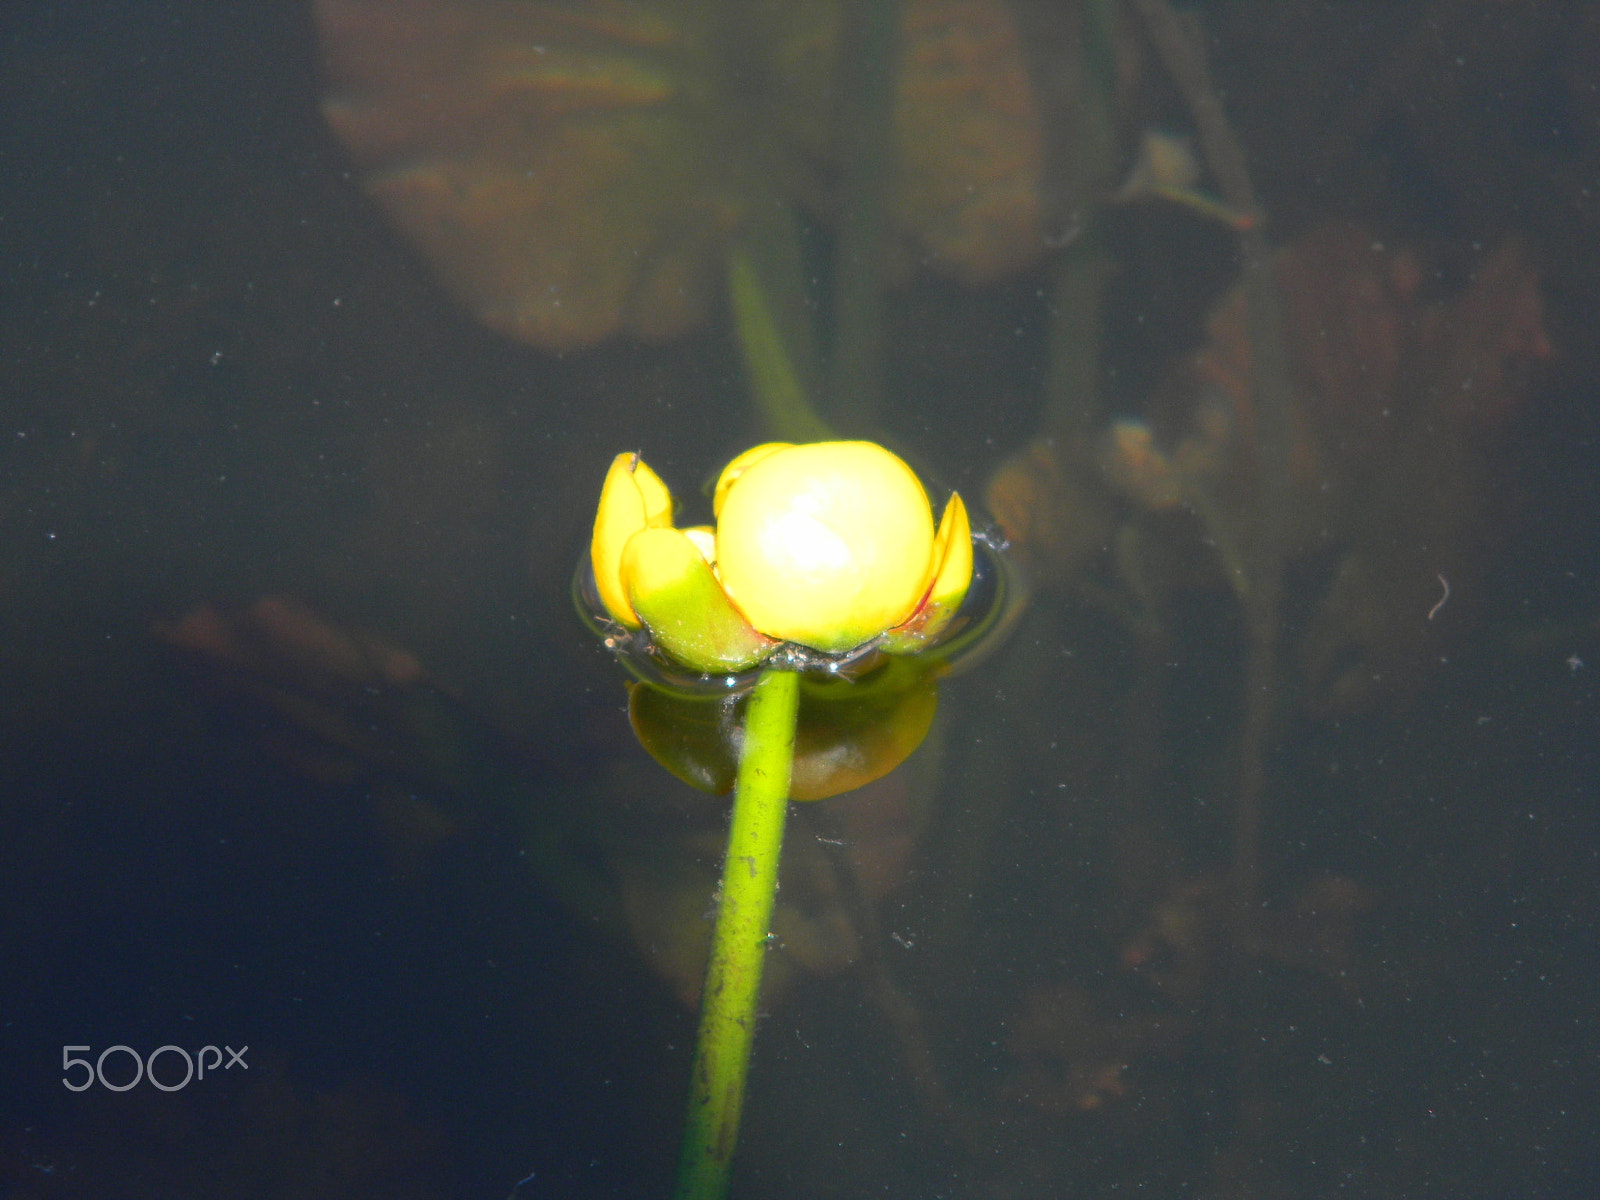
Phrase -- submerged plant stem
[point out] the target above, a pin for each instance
(739, 941)
(777, 382)
(855, 380)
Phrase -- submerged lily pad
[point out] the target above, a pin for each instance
(575, 170)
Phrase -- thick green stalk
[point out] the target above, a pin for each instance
(739, 942)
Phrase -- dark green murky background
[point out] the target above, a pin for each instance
(223, 377)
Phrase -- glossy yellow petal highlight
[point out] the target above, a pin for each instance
(953, 551)
(632, 498)
(827, 544)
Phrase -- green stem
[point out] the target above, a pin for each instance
(739, 942)
(776, 385)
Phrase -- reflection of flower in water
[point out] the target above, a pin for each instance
(575, 170)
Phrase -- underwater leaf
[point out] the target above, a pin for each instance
(576, 170)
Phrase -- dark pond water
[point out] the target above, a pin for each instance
(1261, 860)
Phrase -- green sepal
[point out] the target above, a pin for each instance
(681, 602)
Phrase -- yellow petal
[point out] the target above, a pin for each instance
(632, 498)
(826, 544)
(672, 589)
(738, 467)
(952, 551)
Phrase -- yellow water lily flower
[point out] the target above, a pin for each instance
(828, 545)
